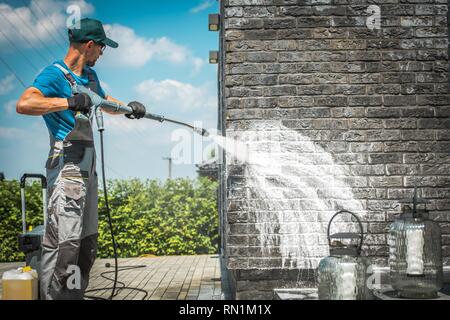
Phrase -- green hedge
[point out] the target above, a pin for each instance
(149, 217)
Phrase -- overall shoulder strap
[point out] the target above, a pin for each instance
(67, 74)
(93, 83)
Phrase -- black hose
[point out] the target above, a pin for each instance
(116, 264)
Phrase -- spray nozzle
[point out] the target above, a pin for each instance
(201, 131)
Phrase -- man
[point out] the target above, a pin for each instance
(70, 240)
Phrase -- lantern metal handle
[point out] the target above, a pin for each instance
(359, 223)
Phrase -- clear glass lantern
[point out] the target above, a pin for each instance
(415, 257)
(343, 275)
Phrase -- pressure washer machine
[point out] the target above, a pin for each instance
(30, 241)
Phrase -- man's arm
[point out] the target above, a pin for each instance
(34, 103)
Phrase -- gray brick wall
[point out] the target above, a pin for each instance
(377, 100)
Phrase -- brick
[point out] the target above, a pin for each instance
(260, 12)
(294, 56)
(416, 43)
(245, 68)
(435, 146)
(293, 102)
(399, 77)
(416, 21)
(417, 89)
(295, 11)
(397, 32)
(383, 113)
(282, 45)
(418, 135)
(399, 100)
(260, 57)
(435, 169)
(315, 90)
(278, 68)
(366, 147)
(328, 33)
(432, 77)
(385, 182)
(384, 158)
(433, 100)
(243, 23)
(430, 32)
(232, 35)
(294, 34)
(401, 169)
(401, 123)
(430, 9)
(279, 23)
(307, 22)
(363, 56)
(260, 34)
(403, 146)
(365, 124)
(364, 78)
(233, 12)
(409, 66)
(365, 101)
(418, 112)
(434, 123)
(423, 158)
(348, 112)
(383, 135)
(383, 66)
(280, 91)
(296, 79)
(334, 101)
(350, 89)
(255, 80)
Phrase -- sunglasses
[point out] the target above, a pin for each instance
(102, 46)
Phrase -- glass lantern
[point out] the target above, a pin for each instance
(342, 275)
(415, 257)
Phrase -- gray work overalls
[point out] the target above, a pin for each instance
(70, 240)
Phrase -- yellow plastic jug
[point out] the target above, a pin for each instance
(20, 284)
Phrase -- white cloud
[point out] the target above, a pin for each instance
(34, 27)
(7, 132)
(6, 84)
(202, 6)
(198, 64)
(174, 94)
(136, 51)
(10, 107)
(105, 87)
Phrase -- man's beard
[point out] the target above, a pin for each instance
(91, 63)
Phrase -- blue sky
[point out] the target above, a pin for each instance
(161, 61)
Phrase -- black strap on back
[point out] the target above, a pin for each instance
(70, 78)
(93, 83)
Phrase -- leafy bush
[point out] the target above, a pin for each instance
(149, 217)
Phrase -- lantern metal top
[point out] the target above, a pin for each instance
(338, 248)
(415, 200)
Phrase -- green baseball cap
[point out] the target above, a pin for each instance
(90, 29)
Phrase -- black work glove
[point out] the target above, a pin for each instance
(138, 110)
(80, 102)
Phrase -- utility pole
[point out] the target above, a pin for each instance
(170, 166)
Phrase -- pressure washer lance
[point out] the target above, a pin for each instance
(100, 103)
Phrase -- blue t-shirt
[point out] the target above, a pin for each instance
(53, 84)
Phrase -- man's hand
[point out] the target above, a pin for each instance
(80, 102)
(138, 110)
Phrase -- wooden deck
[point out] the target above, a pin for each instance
(164, 278)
